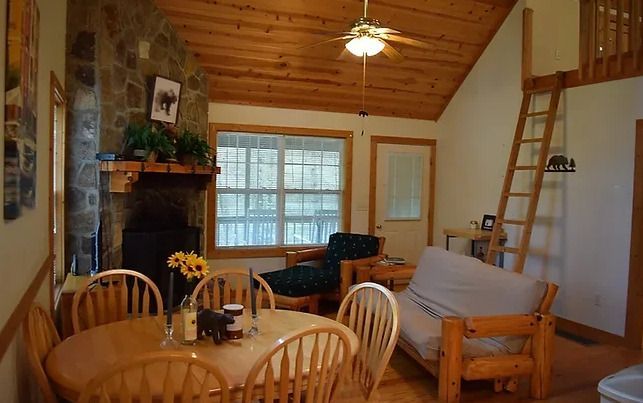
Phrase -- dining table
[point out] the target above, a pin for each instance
(80, 357)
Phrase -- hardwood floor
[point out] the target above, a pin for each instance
(577, 370)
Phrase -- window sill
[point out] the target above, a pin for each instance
(256, 252)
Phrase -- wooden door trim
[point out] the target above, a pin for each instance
(634, 315)
(56, 97)
(372, 202)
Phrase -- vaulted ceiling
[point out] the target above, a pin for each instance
(251, 50)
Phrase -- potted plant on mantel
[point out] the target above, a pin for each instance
(147, 142)
(192, 149)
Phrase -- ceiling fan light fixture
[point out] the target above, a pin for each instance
(365, 44)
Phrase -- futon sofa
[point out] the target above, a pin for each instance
(463, 319)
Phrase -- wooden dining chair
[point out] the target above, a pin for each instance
(114, 295)
(159, 376)
(40, 337)
(321, 356)
(373, 314)
(230, 286)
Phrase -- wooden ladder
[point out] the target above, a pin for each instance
(538, 172)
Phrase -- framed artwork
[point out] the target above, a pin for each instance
(166, 94)
(21, 90)
(487, 222)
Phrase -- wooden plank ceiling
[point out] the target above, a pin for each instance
(251, 50)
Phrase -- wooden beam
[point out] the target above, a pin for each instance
(527, 43)
(583, 53)
(634, 316)
(500, 366)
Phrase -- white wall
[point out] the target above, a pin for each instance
(23, 242)
(582, 233)
(375, 125)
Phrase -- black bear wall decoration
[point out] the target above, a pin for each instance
(210, 323)
(560, 163)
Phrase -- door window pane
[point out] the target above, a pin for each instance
(404, 186)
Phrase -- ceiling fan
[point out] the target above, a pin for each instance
(367, 37)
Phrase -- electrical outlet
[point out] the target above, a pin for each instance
(557, 54)
(143, 49)
(597, 300)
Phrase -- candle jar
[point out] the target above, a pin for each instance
(234, 330)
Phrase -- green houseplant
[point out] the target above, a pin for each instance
(147, 142)
(192, 149)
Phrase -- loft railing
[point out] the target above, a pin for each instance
(610, 38)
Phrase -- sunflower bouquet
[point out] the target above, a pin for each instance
(192, 266)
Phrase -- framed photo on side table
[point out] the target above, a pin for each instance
(166, 94)
(487, 222)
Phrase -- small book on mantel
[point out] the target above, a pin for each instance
(109, 157)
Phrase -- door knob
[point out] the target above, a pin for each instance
(378, 226)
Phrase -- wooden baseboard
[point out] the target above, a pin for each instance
(22, 308)
(588, 332)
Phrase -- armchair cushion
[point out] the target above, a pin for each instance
(449, 284)
(345, 246)
(301, 280)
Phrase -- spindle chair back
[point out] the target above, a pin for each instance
(373, 314)
(40, 337)
(230, 286)
(114, 295)
(159, 376)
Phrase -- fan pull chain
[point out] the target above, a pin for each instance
(363, 114)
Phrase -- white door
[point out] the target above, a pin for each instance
(402, 199)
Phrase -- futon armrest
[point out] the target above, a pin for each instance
(306, 255)
(384, 273)
(501, 325)
(347, 269)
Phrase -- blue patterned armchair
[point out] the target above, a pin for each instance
(302, 282)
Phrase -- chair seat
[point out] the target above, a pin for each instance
(302, 280)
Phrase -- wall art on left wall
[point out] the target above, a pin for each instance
(21, 85)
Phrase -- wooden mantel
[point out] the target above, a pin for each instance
(122, 174)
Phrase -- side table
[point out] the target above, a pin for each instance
(475, 235)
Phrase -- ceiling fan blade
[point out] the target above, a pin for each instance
(391, 53)
(408, 41)
(384, 30)
(344, 55)
(339, 38)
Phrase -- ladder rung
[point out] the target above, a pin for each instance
(518, 194)
(524, 168)
(505, 249)
(512, 222)
(531, 140)
(532, 114)
(539, 90)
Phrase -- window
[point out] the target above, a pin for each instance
(279, 187)
(57, 186)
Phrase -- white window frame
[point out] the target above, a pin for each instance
(274, 251)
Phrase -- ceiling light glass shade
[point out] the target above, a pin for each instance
(365, 45)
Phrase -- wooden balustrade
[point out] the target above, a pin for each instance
(610, 39)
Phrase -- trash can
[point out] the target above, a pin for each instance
(625, 386)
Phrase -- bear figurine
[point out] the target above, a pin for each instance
(210, 323)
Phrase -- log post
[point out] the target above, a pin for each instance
(451, 359)
(542, 351)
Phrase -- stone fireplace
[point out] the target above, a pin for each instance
(114, 49)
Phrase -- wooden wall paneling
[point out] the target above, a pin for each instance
(635, 29)
(583, 52)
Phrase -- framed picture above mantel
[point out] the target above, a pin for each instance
(166, 95)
